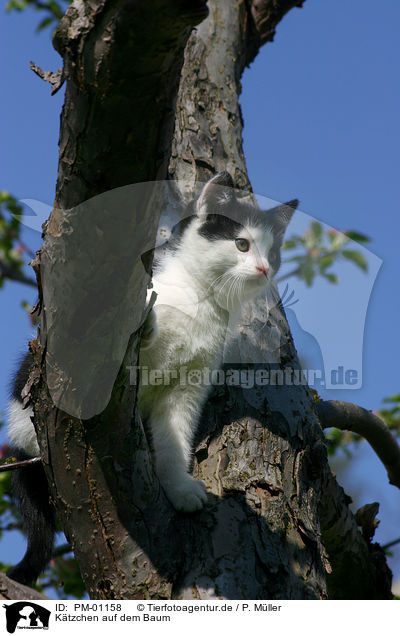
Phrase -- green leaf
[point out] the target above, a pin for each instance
(357, 258)
(332, 278)
(325, 262)
(356, 236)
(394, 398)
(43, 24)
(338, 240)
(11, 249)
(316, 229)
(289, 244)
(306, 272)
(54, 10)
(295, 259)
(18, 5)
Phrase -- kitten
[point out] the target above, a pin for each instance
(226, 254)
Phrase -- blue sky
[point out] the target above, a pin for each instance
(321, 108)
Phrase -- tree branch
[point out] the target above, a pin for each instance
(265, 17)
(12, 591)
(11, 274)
(55, 79)
(350, 417)
(390, 544)
(358, 568)
(61, 550)
(23, 464)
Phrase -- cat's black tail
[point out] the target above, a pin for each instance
(38, 515)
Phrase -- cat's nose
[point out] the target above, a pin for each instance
(263, 269)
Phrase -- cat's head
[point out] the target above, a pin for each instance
(233, 246)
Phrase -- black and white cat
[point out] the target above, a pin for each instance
(226, 254)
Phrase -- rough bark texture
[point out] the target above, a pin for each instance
(359, 569)
(122, 63)
(262, 453)
(12, 591)
(274, 459)
(208, 125)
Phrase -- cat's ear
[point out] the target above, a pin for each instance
(216, 194)
(281, 215)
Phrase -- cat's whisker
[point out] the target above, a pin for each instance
(230, 276)
(228, 279)
(213, 283)
(241, 287)
(238, 286)
(231, 287)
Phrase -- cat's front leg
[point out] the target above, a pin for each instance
(173, 422)
(186, 493)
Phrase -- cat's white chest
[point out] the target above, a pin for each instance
(176, 288)
(176, 294)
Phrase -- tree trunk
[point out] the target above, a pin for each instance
(261, 451)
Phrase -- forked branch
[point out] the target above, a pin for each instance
(350, 417)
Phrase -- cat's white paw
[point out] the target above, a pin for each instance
(187, 496)
(150, 331)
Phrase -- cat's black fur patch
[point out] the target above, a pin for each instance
(21, 377)
(31, 490)
(38, 515)
(218, 226)
(279, 218)
(151, 257)
(178, 230)
(274, 256)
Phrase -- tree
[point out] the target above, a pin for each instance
(286, 515)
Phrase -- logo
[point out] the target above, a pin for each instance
(26, 615)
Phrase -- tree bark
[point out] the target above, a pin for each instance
(12, 591)
(261, 451)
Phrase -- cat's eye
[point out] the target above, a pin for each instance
(242, 244)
